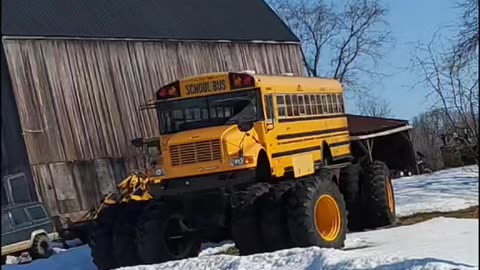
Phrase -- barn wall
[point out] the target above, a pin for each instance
(14, 158)
(78, 103)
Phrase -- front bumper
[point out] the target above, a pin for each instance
(178, 186)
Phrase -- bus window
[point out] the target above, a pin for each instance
(308, 109)
(295, 105)
(204, 113)
(269, 107)
(301, 105)
(334, 104)
(329, 104)
(313, 105)
(319, 104)
(324, 104)
(340, 103)
(281, 106)
(289, 104)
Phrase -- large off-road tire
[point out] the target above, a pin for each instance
(101, 238)
(273, 218)
(41, 248)
(316, 212)
(350, 186)
(124, 233)
(156, 229)
(245, 221)
(378, 196)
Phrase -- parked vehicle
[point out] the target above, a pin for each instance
(262, 160)
(27, 227)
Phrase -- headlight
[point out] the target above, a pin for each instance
(241, 161)
(159, 172)
(237, 161)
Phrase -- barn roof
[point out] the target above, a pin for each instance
(230, 20)
(367, 126)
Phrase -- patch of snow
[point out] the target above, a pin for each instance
(12, 259)
(446, 190)
(58, 250)
(209, 249)
(23, 258)
(426, 245)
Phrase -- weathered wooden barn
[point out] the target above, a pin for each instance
(80, 70)
(17, 182)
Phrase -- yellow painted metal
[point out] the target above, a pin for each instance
(303, 165)
(389, 191)
(328, 220)
(306, 133)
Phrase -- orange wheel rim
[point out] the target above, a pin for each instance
(389, 188)
(328, 220)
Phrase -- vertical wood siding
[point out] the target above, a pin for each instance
(78, 101)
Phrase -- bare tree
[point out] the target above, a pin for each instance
(426, 137)
(466, 46)
(374, 106)
(452, 86)
(342, 44)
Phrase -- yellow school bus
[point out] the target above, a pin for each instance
(258, 159)
(298, 124)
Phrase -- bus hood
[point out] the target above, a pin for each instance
(198, 135)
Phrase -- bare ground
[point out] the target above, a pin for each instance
(471, 212)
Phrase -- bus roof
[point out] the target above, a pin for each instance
(282, 80)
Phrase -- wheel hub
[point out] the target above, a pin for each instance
(328, 220)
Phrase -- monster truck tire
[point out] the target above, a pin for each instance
(316, 212)
(378, 196)
(124, 233)
(152, 233)
(101, 238)
(245, 222)
(273, 221)
(350, 186)
(41, 248)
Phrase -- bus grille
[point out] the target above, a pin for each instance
(195, 152)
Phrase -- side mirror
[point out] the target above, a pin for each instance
(137, 142)
(245, 126)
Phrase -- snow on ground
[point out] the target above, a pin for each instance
(440, 243)
(437, 244)
(443, 191)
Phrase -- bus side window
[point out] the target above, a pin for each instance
(319, 104)
(313, 104)
(269, 109)
(324, 104)
(289, 104)
(340, 103)
(329, 104)
(295, 105)
(308, 109)
(281, 106)
(301, 105)
(334, 104)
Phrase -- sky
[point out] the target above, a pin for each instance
(411, 21)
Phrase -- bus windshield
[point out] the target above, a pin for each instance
(202, 112)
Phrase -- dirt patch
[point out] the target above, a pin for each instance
(471, 212)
